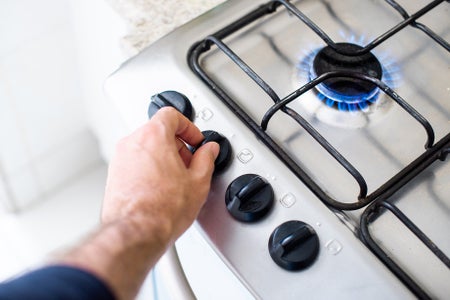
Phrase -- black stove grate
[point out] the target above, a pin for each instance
(378, 198)
(382, 205)
(280, 104)
(437, 38)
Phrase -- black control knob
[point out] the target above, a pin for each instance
(294, 245)
(174, 99)
(249, 198)
(224, 157)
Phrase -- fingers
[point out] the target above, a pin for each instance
(202, 162)
(179, 130)
(184, 152)
(178, 125)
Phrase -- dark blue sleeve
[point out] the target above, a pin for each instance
(56, 282)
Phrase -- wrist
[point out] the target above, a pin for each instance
(121, 253)
(143, 231)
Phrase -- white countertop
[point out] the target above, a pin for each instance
(149, 20)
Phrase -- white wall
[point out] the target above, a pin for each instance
(50, 81)
(98, 32)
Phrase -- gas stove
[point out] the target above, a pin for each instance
(337, 116)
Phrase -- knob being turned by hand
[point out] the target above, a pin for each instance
(224, 157)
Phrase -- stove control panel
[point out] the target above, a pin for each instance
(293, 245)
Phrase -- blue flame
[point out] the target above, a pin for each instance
(350, 103)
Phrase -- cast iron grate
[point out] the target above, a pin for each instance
(378, 198)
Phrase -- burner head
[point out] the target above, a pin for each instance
(346, 93)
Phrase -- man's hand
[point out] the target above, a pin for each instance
(154, 178)
(154, 191)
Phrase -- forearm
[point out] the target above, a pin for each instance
(154, 191)
(120, 254)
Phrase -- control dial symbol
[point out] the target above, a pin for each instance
(249, 198)
(174, 99)
(224, 157)
(294, 245)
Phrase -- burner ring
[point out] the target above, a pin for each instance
(346, 89)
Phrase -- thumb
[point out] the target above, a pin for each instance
(202, 163)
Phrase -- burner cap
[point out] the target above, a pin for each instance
(346, 89)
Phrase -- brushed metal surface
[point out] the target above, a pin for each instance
(379, 143)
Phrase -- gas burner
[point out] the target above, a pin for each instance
(349, 102)
(345, 93)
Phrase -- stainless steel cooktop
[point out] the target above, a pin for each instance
(342, 165)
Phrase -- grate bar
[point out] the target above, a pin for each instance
(437, 38)
(407, 21)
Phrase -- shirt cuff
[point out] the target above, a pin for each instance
(56, 282)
